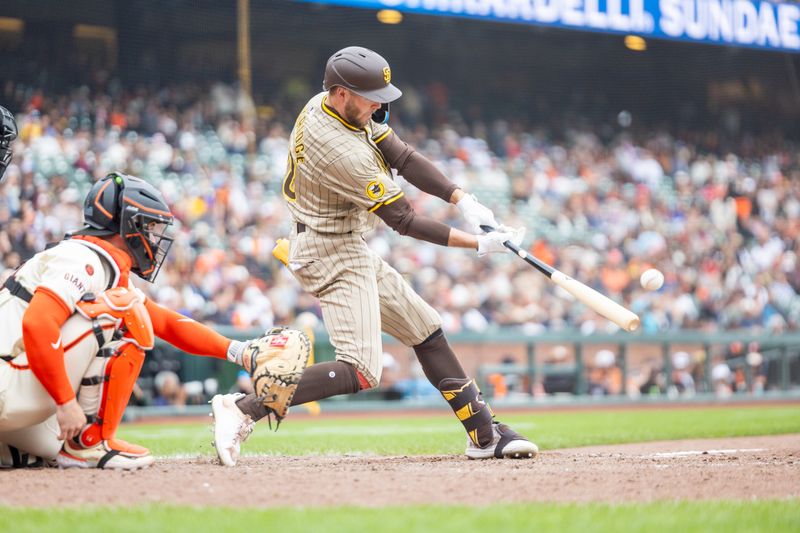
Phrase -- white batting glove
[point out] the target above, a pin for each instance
(493, 242)
(475, 213)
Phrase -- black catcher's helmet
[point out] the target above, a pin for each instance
(8, 132)
(134, 209)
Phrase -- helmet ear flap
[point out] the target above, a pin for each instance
(381, 116)
(101, 209)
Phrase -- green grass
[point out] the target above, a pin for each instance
(773, 516)
(389, 434)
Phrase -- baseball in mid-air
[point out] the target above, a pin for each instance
(652, 279)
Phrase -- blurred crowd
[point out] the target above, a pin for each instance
(601, 205)
(723, 370)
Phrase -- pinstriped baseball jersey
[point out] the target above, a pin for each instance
(336, 177)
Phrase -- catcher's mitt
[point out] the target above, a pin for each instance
(275, 363)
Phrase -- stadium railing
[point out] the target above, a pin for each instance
(527, 356)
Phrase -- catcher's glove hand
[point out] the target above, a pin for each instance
(275, 363)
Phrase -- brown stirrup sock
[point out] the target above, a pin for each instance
(465, 399)
(319, 381)
(445, 372)
(437, 359)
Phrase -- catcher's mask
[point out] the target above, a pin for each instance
(134, 209)
(8, 132)
(367, 74)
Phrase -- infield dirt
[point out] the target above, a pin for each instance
(733, 468)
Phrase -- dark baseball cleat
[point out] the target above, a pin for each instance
(506, 444)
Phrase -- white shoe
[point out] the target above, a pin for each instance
(231, 427)
(112, 454)
(506, 443)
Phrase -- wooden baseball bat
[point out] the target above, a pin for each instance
(600, 303)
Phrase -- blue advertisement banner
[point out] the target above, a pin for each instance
(750, 23)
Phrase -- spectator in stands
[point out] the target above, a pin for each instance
(168, 389)
(652, 381)
(722, 378)
(682, 382)
(605, 377)
(722, 226)
(558, 372)
(506, 382)
(389, 389)
(757, 369)
(243, 383)
(417, 386)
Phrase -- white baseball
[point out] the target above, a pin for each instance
(652, 279)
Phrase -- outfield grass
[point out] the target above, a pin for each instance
(772, 516)
(388, 434)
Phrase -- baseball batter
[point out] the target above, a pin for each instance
(74, 330)
(338, 186)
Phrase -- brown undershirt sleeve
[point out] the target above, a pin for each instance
(415, 168)
(401, 217)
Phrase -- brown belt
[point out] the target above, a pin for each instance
(302, 228)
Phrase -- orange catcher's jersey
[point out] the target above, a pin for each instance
(69, 270)
(336, 175)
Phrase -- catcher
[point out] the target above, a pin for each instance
(74, 330)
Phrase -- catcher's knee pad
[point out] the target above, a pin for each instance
(106, 389)
(466, 401)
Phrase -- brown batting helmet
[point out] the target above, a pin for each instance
(362, 71)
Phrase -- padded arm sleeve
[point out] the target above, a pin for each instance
(414, 167)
